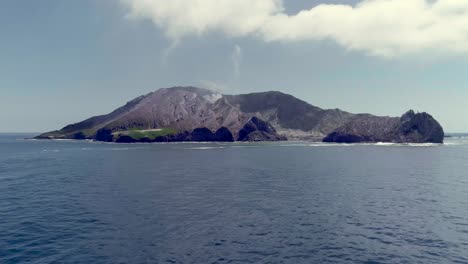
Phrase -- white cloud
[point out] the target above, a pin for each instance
(236, 57)
(213, 86)
(180, 18)
(385, 28)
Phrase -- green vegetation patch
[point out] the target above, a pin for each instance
(150, 133)
(89, 132)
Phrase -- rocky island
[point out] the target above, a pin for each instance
(195, 114)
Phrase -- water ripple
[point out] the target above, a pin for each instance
(232, 203)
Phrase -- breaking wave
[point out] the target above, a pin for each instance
(378, 144)
(205, 148)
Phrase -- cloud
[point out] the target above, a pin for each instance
(180, 18)
(386, 28)
(236, 57)
(213, 86)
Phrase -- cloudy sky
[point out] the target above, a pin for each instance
(63, 61)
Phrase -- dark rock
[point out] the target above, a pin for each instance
(223, 134)
(365, 128)
(179, 137)
(420, 128)
(125, 139)
(258, 130)
(104, 134)
(343, 137)
(202, 134)
(145, 140)
(79, 135)
(161, 139)
(410, 128)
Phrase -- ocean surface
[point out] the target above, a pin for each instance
(288, 202)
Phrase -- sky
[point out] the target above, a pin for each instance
(64, 61)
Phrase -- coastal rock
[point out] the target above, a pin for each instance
(410, 128)
(365, 128)
(258, 130)
(419, 128)
(202, 134)
(79, 135)
(206, 135)
(125, 139)
(223, 134)
(104, 134)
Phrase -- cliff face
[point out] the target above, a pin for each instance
(419, 128)
(410, 128)
(259, 130)
(194, 114)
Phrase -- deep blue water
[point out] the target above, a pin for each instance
(84, 202)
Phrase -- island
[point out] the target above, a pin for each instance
(181, 114)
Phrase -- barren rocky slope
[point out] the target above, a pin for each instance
(195, 114)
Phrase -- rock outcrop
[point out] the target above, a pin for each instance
(202, 134)
(419, 128)
(410, 128)
(258, 130)
(224, 135)
(104, 134)
(206, 135)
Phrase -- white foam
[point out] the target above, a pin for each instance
(385, 144)
(294, 145)
(243, 146)
(50, 150)
(124, 148)
(424, 144)
(205, 148)
(319, 144)
(378, 144)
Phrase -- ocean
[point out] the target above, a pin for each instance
(281, 202)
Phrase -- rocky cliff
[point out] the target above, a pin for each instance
(195, 114)
(258, 130)
(410, 128)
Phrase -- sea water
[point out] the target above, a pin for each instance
(282, 202)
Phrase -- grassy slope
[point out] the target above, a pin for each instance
(139, 134)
